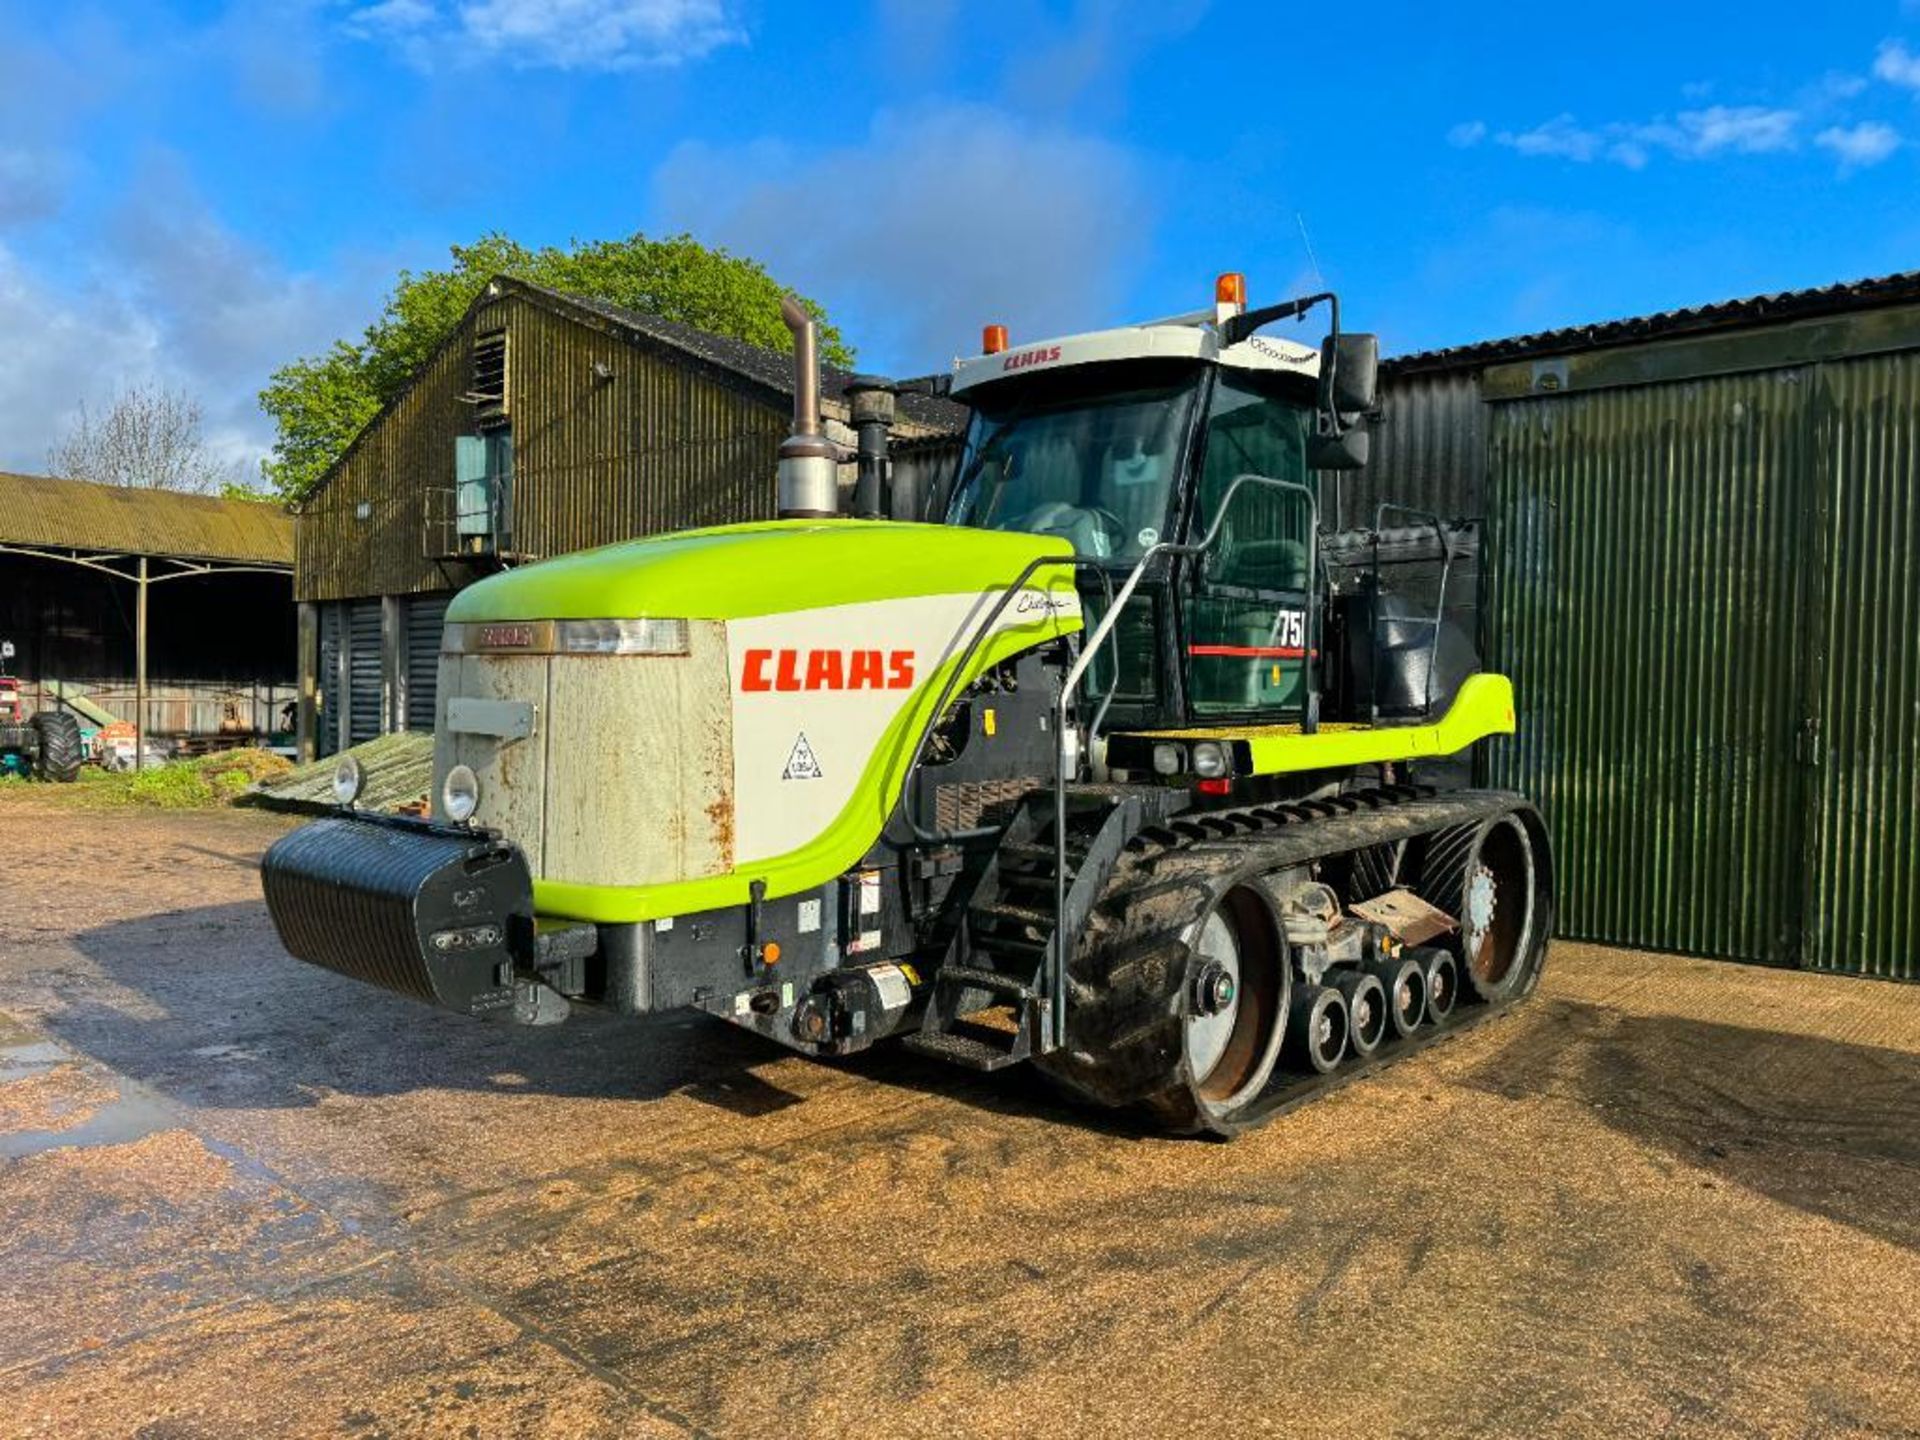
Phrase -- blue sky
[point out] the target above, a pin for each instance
(193, 192)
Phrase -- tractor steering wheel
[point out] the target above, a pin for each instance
(1090, 529)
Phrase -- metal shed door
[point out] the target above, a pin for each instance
(1863, 734)
(426, 614)
(327, 726)
(363, 670)
(1647, 590)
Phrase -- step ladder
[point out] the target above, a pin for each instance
(999, 962)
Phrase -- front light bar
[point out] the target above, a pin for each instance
(564, 637)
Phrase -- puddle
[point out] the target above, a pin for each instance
(35, 1057)
(118, 1122)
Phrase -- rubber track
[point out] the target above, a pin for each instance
(1125, 1006)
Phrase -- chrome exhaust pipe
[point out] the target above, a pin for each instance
(809, 483)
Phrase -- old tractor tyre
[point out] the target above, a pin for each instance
(60, 750)
(1180, 1016)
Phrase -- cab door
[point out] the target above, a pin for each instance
(1247, 633)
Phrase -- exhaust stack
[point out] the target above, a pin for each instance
(809, 485)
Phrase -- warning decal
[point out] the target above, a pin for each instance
(800, 764)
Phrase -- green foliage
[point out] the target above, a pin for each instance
(322, 401)
(210, 780)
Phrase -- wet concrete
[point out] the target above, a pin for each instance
(240, 1196)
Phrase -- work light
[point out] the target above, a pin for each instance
(460, 794)
(348, 780)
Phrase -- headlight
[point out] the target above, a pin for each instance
(1209, 760)
(1167, 760)
(460, 794)
(348, 780)
(620, 637)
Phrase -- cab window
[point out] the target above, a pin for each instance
(1247, 609)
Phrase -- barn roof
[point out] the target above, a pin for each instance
(772, 369)
(1851, 295)
(49, 513)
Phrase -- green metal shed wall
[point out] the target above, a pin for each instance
(1863, 912)
(1706, 592)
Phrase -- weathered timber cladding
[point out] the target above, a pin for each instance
(653, 443)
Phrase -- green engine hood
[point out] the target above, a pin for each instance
(736, 571)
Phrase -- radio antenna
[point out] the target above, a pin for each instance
(1319, 280)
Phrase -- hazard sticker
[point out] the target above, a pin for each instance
(801, 764)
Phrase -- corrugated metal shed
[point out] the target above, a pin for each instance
(1754, 310)
(1701, 574)
(1429, 451)
(1863, 715)
(42, 511)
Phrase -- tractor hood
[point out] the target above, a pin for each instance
(737, 571)
(758, 735)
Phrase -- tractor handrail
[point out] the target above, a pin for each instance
(921, 834)
(1056, 1027)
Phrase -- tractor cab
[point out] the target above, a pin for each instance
(1129, 445)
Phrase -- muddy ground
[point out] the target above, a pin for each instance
(239, 1196)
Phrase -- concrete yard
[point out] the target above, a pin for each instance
(239, 1196)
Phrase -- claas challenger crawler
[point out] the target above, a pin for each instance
(1127, 770)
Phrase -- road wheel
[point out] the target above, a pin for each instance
(59, 743)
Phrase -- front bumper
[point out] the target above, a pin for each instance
(429, 911)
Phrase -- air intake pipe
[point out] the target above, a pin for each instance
(871, 401)
(809, 485)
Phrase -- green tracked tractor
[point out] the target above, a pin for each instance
(1128, 769)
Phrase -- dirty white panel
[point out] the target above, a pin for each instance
(512, 773)
(640, 789)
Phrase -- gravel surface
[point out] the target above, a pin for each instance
(240, 1196)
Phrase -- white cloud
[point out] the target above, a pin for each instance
(1690, 135)
(1742, 129)
(1859, 146)
(171, 297)
(1561, 136)
(1467, 134)
(1897, 65)
(561, 34)
(939, 221)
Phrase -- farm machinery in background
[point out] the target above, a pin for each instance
(1118, 772)
(45, 746)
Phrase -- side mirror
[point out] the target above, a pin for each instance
(1347, 451)
(1354, 360)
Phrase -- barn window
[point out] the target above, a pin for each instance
(488, 387)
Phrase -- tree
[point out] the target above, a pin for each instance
(322, 401)
(148, 438)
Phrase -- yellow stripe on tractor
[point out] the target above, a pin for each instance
(1482, 707)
